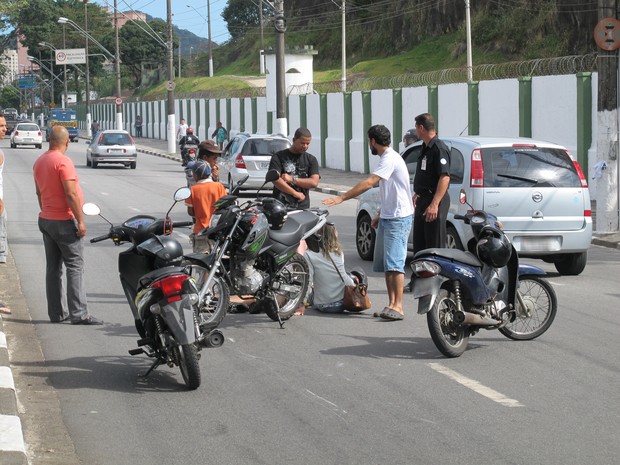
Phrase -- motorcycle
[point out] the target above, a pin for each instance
(188, 153)
(485, 287)
(161, 293)
(255, 251)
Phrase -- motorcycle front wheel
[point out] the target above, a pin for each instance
(449, 338)
(540, 308)
(214, 306)
(289, 286)
(186, 356)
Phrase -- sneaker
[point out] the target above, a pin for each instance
(89, 320)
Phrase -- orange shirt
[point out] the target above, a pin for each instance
(204, 195)
(50, 169)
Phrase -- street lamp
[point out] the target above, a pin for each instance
(208, 20)
(45, 44)
(115, 58)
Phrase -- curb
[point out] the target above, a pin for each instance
(12, 448)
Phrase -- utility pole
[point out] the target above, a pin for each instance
(280, 26)
(262, 42)
(344, 48)
(607, 203)
(470, 71)
(117, 70)
(88, 120)
(210, 43)
(64, 71)
(171, 115)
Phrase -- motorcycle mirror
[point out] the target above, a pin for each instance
(182, 193)
(91, 209)
(271, 176)
(463, 198)
(241, 181)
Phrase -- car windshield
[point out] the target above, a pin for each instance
(528, 167)
(263, 146)
(115, 139)
(28, 127)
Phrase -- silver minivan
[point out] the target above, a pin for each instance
(537, 190)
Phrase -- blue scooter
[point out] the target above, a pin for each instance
(484, 287)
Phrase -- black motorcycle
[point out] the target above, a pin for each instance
(172, 322)
(255, 252)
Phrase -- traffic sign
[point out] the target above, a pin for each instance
(170, 85)
(118, 101)
(607, 34)
(71, 56)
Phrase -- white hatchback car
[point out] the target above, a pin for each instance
(536, 189)
(27, 134)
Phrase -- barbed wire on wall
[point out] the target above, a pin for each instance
(511, 70)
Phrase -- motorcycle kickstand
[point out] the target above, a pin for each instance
(275, 302)
(155, 364)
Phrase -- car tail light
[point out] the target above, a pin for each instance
(477, 170)
(523, 146)
(131, 140)
(100, 139)
(39, 133)
(171, 286)
(239, 163)
(582, 178)
(17, 133)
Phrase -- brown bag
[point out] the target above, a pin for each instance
(356, 298)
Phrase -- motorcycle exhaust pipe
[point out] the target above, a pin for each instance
(214, 339)
(466, 318)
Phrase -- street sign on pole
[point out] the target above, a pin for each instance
(70, 56)
(118, 101)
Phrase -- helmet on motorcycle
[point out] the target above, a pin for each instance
(275, 211)
(166, 250)
(359, 273)
(189, 131)
(494, 250)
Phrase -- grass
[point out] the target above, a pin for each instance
(198, 84)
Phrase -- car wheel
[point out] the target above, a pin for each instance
(13, 145)
(133, 165)
(571, 264)
(39, 146)
(87, 162)
(365, 237)
(452, 239)
(231, 183)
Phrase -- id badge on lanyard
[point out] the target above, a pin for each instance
(423, 165)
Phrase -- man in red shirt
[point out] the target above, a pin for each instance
(62, 224)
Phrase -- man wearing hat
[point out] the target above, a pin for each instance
(209, 151)
(201, 203)
(410, 137)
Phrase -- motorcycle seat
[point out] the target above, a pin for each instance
(297, 224)
(451, 254)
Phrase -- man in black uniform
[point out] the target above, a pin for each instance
(299, 172)
(431, 201)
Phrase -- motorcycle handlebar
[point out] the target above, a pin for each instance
(181, 224)
(99, 238)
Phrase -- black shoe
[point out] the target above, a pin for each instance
(90, 320)
(59, 320)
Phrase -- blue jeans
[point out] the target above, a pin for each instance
(391, 244)
(333, 307)
(63, 246)
(4, 245)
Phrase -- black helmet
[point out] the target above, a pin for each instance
(166, 250)
(494, 250)
(275, 211)
(360, 275)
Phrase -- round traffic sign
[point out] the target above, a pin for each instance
(61, 56)
(171, 85)
(118, 101)
(607, 34)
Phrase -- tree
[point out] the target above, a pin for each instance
(241, 15)
(139, 47)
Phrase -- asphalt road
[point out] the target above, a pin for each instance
(344, 389)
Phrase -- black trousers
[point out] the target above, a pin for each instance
(427, 235)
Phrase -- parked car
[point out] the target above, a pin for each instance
(536, 189)
(27, 134)
(112, 146)
(249, 154)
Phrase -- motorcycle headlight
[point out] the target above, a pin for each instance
(425, 269)
(215, 219)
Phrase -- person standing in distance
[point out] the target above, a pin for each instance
(220, 134)
(393, 221)
(299, 172)
(181, 130)
(3, 230)
(430, 185)
(62, 224)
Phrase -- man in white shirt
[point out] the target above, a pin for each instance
(393, 222)
(181, 130)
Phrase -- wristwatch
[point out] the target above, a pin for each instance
(294, 180)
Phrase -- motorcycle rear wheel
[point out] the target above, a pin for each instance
(296, 276)
(541, 307)
(187, 358)
(450, 339)
(213, 313)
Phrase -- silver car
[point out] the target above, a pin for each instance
(536, 189)
(112, 146)
(249, 155)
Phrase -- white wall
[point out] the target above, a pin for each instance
(313, 123)
(499, 107)
(294, 111)
(452, 99)
(556, 119)
(334, 144)
(359, 138)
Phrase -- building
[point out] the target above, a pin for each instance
(9, 61)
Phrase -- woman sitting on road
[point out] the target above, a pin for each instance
(327, 272)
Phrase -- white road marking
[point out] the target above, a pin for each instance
(476, 386)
